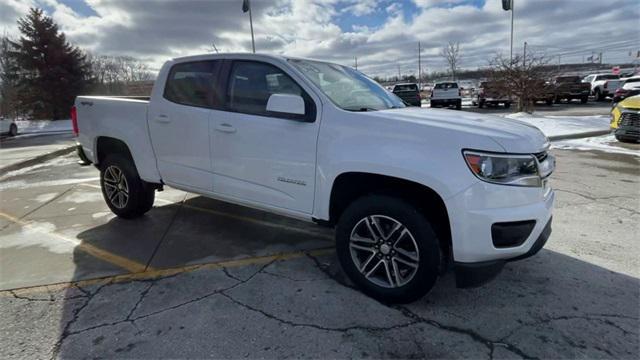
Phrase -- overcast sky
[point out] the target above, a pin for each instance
(381, 33)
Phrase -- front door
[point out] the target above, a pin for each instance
(258, 156)
(179, 125)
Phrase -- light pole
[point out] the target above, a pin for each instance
(506, 6)
(246, 6)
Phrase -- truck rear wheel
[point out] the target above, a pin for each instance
(459, 105)
(125, 193)
(388, 249)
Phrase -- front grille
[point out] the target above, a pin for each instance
(541, 156)
(630, 119)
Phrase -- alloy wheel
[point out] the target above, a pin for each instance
(116, 187)
(384, 251)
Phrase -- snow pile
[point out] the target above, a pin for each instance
(43, 126)
(606, 143)
(554, 126)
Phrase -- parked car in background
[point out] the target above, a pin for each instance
(602, 85)
(493, 94)
(409, 191)
(446, 94)
(630, 87)
(625, 119)
(409, 93)
(8, 126)
(569, 88)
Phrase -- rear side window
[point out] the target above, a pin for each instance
(446, 86)
(252, 83)
(193, 84)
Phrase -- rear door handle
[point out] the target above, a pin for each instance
(226, 128)
(163, 119)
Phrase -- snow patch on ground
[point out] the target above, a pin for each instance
(54, 162)
(42, 126)
(38, 234)
(21, 184)
(563, 125)
(43, 198)
(603, 143)
(82, 197)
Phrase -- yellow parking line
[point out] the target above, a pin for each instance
(92, 250)
(159, 273)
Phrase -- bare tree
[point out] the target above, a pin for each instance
(451, 53)
(524, 78)
(112, 74)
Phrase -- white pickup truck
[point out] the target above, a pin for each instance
(410, 191)
(603, 85)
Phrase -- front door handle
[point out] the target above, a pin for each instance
(163, 119)
(226, 128)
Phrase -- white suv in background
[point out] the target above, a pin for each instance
(446, 94)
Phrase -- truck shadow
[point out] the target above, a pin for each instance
(551, 305)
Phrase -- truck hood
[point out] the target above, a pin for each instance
(513, 136)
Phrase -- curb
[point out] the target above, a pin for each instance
(37, 160)
(580, 135)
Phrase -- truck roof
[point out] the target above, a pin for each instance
(242, 55)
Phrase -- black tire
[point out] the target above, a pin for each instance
(598, 95)
(626, 139)
(584, 99)
(507, 105)
(481, 103)
(420, 280)
(13, 130)
(459, 105)
(139, 194)
(549, 101)
(557, 100)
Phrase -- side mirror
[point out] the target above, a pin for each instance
(286, 104)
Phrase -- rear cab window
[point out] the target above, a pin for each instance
(193, 84)
(407, 87)
(446, 86)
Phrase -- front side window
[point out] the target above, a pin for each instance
(252, 83)
(193, 84)
(347, 88)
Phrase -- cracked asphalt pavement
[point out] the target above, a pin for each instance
(196, 278)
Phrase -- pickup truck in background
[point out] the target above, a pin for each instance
(629, 87)
(446, 94)
(409, 93)
(602, 85)
(569, 88)
(492, 93)
(411, 192)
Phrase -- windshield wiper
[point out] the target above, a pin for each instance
(363, 109)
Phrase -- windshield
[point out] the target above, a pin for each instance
(347, 88)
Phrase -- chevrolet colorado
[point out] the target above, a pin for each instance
(411, 192)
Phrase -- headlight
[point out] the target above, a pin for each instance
(519, 170)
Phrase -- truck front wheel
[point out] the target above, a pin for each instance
(125, 193)
(388, 249)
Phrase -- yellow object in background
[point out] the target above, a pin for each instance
(628, 103)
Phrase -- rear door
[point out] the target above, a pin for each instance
(179, 124)
(259, 156)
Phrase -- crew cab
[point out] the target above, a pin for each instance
(410, 191)
(446, 94)
(569, 88)
(409, 93)
(602, 85)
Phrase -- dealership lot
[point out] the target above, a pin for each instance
(199, 278)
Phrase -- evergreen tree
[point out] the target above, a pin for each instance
(51, 71)
(8, 79)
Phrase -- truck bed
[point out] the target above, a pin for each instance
(117, 117)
